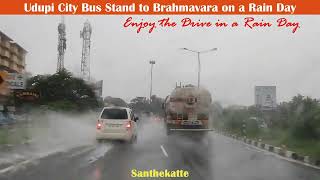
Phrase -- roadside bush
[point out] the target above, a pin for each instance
(252, 128)
(63, 105)
(4, 136)
(295, 124)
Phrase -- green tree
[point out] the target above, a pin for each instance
(114, 101)
(63, 91)
(307, 121)
(141, 104)
(156, 105)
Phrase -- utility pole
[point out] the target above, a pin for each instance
(199, 65)
(151, 63)
(199, 69)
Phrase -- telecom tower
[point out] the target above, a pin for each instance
(85, 34)
(61, 44)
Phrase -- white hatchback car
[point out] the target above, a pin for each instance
(117, 123)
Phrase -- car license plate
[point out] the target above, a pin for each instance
(114, 125)
(191, 122)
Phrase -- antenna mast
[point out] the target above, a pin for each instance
(61, 44)
(85, 34)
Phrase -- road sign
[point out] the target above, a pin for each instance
(16, 81)
(27, 95)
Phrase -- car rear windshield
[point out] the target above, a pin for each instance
(114, 114)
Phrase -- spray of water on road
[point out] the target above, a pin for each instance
(53, 131)
(48, 132)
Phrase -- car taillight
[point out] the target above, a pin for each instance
(99, 125)
(128, 125)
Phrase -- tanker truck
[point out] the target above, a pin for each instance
(187, 108)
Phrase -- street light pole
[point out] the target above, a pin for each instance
(151, 63)
(199, 69)
(199, 65)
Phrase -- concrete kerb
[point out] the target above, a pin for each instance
(271, 148)
(306, 159)
(261, 145)
(277, 150)
(290, 154)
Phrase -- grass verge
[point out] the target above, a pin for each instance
(13, 135)
(282, 138)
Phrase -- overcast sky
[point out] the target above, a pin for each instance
(120, 57)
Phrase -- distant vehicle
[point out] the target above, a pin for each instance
(117, 123)
(187, 108)
(146, 112)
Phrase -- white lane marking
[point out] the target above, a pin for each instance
(164, 151)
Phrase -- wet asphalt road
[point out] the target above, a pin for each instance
(216, 157)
